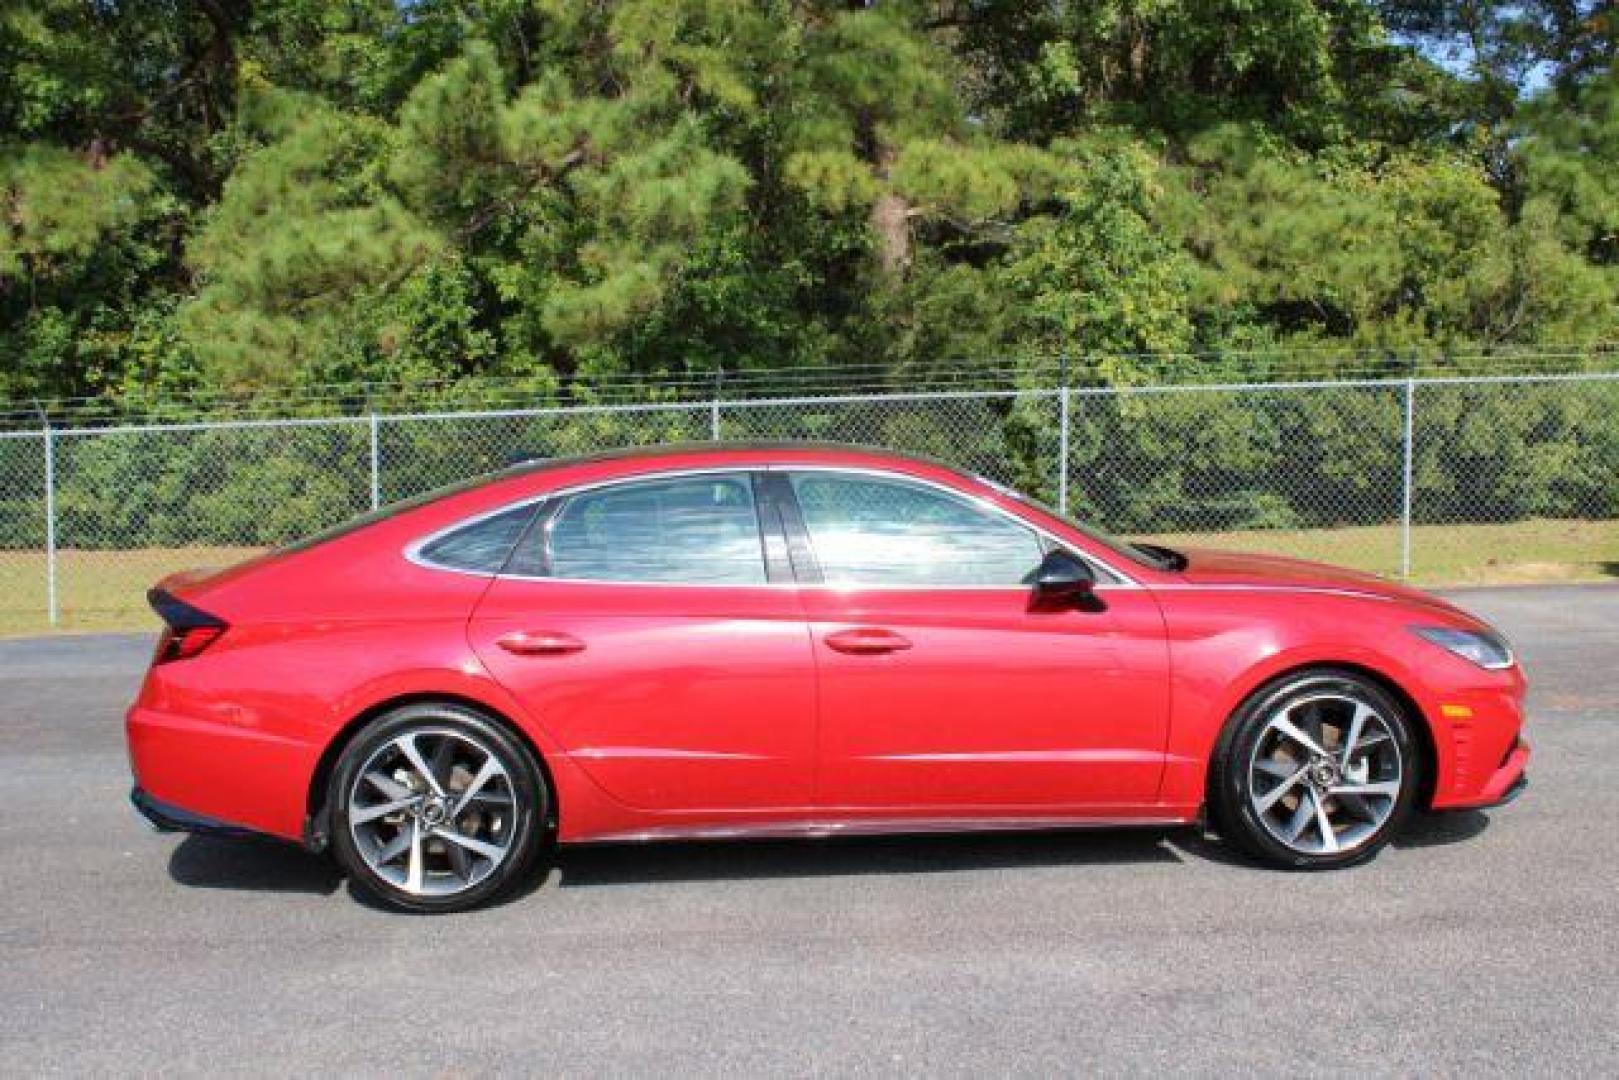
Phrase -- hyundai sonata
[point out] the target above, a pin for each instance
(753, 640)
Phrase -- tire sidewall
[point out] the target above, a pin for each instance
(1235, 812)
(529, 789)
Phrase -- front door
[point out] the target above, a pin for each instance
(644, 633)
(944, 688)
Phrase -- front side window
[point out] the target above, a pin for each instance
(696, 530)
(870, 531)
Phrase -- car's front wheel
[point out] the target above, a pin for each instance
(436, 808)
(1315, 771)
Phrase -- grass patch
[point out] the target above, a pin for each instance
(106, 590)
(96, 590)
(1518, 553)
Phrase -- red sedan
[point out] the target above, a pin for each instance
(794, 640)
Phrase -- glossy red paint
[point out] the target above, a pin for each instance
(785, 708)
(1062, 702)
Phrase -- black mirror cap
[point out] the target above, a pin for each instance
(1063, 576)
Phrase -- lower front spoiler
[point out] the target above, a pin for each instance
(1509, 795)
(168, 819)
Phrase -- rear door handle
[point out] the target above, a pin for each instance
(540, 643)
(866, 640)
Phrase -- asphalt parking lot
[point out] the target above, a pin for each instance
(1479, 944)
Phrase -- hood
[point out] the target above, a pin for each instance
(1209, 567)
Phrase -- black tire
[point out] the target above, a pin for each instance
(1235, 774)
(512, 809)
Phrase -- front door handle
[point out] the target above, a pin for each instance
(540, 643)
(866, 640)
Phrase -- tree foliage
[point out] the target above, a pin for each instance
(255, 195)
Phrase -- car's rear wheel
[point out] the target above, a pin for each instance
(1316, 771)
(436, 808)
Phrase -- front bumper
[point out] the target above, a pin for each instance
(1504, 785)
(165, 818)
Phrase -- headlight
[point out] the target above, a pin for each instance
(1487, 650)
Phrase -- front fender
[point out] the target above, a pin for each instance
(1224, 646)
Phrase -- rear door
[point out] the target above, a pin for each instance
(943, 687)
(650, 625)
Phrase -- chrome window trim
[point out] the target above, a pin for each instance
(413, 550)
(977, 502)
(1120, 581)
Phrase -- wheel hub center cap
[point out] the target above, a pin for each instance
(1323, 773)
(434, 812)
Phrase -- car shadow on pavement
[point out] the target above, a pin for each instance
(704, 861)
(205, 862)
(1440, 829)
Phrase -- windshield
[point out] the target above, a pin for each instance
(1153, 556)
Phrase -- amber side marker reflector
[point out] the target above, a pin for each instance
(1456, 712)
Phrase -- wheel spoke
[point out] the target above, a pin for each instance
(1329, 838)
(394, 848)
(491, 769)
(1362, 713)
(1286, 727)
(1358, 806)
(1371, 740)
(1275, 794)
(487, 850)
(407, 746)
(1281, 770)
(371, 813)
(387, 785)
(1301, 817)
(1388, 789)
(443, 760)
(459, 863)
(413, 876)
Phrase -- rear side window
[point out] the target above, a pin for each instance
(696, 530)
(869, 531)
(482, 546)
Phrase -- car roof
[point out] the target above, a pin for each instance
(520, 479)
(788, 448)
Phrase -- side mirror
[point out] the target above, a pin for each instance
(1063, 577)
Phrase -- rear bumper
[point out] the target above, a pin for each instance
(205, 766)
(166, 818)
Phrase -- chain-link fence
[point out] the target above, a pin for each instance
(1439, 480)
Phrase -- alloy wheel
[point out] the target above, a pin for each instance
(1325, 774)
(432, 811)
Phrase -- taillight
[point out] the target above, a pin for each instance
(188, 630)
(184, 643)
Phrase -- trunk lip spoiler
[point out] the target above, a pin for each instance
(179, 614)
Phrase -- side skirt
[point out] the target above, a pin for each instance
(812, 829)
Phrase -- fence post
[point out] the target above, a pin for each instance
(376, 464)
(1062, 439)
(50, 515)
(714, 406)
(1410, 455)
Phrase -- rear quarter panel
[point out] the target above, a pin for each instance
(316, 637)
